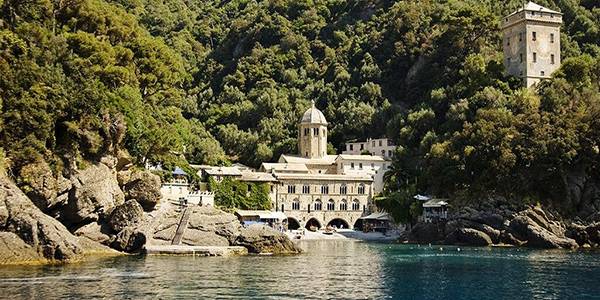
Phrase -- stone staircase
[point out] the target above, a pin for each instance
(183, 223)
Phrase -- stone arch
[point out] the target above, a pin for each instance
(358, 224)
(293, 223)
(339, 223)
(312, 222)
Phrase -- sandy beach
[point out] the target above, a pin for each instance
(342, 234)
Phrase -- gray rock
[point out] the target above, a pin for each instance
(509, 239)
(95, 192)
(42, 185)
(473, 237)
(209, 219)
(426, 233)
(196, 237)
(95, 231)
(262, 239)
(129, 240)
(45, 234)
(126, 214)
(593, 231)
(542, 238)
(142, 186)
(14, 251)
(167, 234)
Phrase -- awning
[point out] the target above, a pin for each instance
(421, 197)
(378, 216)
(179, 171)
(278, 215)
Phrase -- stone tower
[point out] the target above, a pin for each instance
(531, 43)
(312, 133)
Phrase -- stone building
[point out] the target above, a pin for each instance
(531, 43)
(382, 147)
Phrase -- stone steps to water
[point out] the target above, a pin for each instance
(183, 223)
(184, 250)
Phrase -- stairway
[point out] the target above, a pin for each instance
(183, 223)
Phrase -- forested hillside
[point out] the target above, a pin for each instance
(224, 81)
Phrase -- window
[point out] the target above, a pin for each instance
(542, 73)
(343, 205)
(390, 153)
(507, 41)
(318, 205)
(343, 189)
(520, 57)
(324, 132)
(324, 189)
(520, 36)
(315, 131)
(373, 144)
(552, 58)
(361, 189)
(534, 57)
(362, 146)
(351, 165)
(372, 166)
(330, 205)
(295, 204)
(355, 205)
(351, 147)
(534, 36)
(271, 187)
(306, 131)
(552, 38)
(383, 167)
(291, 189)
(306, 189)
(382, 152)
(380, 143)
(360, 166)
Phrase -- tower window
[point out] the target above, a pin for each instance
(507, 41)
(351, 165)
(552, 58)
(291, 189)
(306, 131)
(520, 57)
(520, 36)
(534, 57)
(316, 131)
(552, 38)
(534, 36)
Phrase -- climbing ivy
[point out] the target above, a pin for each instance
(230, 193)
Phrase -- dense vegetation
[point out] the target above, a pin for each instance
(223, 81)
(240, 194)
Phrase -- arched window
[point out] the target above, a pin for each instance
(324, 189)
(330, 204)
(361, 189)
(355, 204)
(318, 204)
(343, 205)
(295, 204)
(343, 189)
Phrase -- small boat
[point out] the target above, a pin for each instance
(329, 230)
(312, 228)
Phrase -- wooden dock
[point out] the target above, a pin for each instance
(184, 250)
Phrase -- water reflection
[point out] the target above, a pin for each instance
(329, 269)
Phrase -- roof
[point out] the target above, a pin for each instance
(378, 216)
(223, 171)
(178, 171)
(284, 167)
(535, 7)
(257, 176)
(325, 160)
(356, 157)
(323, 177)
(313, 116)
(421, 197)
(436, 203)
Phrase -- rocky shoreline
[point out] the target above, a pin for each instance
(108, 209)
(497, 221)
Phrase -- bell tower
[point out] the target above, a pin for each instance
(312, 133)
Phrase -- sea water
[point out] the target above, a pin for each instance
(328, 270)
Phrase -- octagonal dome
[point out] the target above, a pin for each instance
(313, 116)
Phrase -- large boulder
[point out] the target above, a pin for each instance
(426, 233)
(14, 250)
(130, 239)
(195, 237)
(95, 231)
(126, 214)
(263, 239)
(473, 237)
(209, 219)
(95, 192)
(542, 238)
(142, 186)
(44, 188)
(45, 234)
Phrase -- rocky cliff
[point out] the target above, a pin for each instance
(496, 220)
(60, 217)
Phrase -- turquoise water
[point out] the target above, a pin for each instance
(329, 270)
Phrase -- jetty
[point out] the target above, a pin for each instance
(185, 250)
